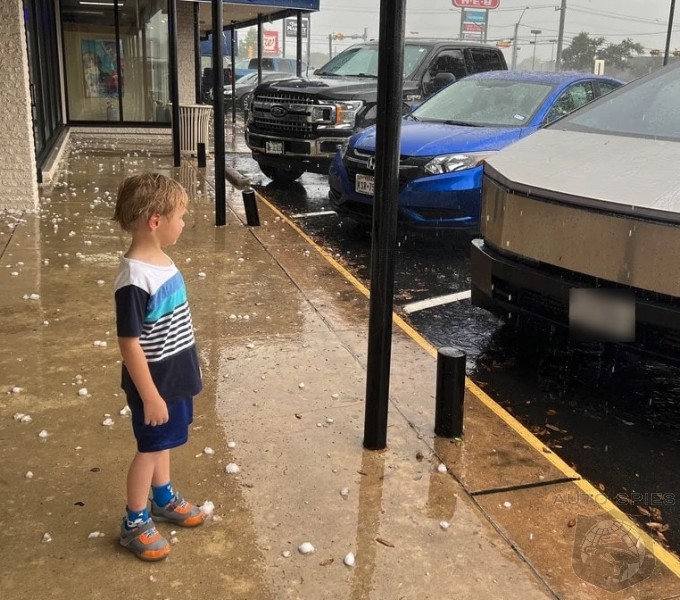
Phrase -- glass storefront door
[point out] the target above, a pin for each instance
(116, 60)
(43, 64)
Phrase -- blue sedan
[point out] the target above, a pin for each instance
(446, 139)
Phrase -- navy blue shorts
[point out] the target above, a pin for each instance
(161, 437)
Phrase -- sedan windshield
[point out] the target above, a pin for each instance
(648, 109)
(485, 102)
(362, 61)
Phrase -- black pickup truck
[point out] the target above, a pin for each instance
(296, 125)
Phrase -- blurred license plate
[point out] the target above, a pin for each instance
(274, 147)
(364, 184)
(601, 315)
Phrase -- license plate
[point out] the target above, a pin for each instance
(601, 315)
(274, 147)
(364, 184)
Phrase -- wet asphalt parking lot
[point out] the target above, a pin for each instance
(614, 417)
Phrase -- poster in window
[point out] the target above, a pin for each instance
(100, 69)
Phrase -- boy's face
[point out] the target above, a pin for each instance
(170, 227)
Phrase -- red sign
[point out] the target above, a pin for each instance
(472, 27)
(487, 4)
(270, 43)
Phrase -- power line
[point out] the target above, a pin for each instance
(612, 15)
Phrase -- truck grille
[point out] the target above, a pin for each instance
(297, 107)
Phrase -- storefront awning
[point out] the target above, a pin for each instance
(244, 13)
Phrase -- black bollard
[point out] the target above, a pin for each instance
(201, 155)
(448, 417)
(250, 204)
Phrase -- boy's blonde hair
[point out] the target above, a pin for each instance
(144, 195)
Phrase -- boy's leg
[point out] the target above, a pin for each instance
(141, 476)
(161, 473)
(174, 509)
(141, 536)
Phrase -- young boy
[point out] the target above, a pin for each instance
(161, 373)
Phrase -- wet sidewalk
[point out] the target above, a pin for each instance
(282, 339)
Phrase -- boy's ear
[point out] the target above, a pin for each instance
(153, 222)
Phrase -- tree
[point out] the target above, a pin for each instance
(617, 55)
(247, 47)
(583, 50)
(581, 53)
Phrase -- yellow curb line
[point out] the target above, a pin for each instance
(668, 559)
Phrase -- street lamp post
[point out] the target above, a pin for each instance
(536, 33)
(514, 40)
(552, 50)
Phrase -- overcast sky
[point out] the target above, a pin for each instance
(645, 21)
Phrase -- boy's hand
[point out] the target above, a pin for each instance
(155, 412)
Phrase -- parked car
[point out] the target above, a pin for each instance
(586, 214)
(269, 63)
(297, 125)
(244, 87)
(446, 139)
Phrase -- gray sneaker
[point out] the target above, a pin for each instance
(144, 541)
(179, 512)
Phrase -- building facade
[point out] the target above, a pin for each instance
(95, 64)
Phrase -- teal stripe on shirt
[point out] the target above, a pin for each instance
(169, 296)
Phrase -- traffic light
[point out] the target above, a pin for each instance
(655, 52)
(504, 43)
(338, 36)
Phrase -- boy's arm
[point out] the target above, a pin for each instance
(155, 408)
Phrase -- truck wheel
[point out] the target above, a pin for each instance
(281, 175)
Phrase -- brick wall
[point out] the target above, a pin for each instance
(18, 188)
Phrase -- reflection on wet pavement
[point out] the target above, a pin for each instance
(616, 419)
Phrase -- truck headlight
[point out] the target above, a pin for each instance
(448, 163)
(346, 112)
(339, 115)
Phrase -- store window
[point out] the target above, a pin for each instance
(116, 60)
(41, 44)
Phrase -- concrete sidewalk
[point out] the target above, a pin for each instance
(282, 339)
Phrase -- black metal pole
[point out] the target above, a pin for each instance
(283, 40)
(200, 155)
(259, 49)
(174, 79)
(232, 50)
(298, 56)
(250, 205)
(197, 52)
(218, 114)
(448, 415)
(389, 106)
(670, 33)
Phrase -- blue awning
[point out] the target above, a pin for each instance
(206, 45)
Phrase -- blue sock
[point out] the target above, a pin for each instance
(163, 494)
(135, 518)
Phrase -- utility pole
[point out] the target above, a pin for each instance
(514, 40)
(670, 33)
(560, 35)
